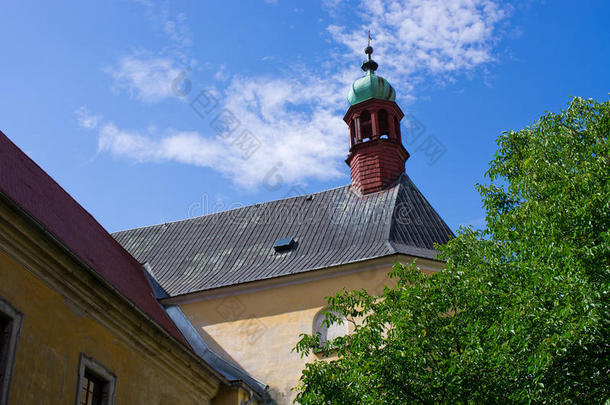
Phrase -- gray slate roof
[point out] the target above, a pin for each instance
(331, 228)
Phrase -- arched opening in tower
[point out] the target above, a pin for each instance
(366, 126)
(397, 129)
(384, 125)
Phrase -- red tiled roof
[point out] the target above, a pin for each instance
(28, 186)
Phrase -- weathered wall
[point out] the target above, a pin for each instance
(258, 328)
(234, 396)
(55, 331)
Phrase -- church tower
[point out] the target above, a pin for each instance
(376, 156)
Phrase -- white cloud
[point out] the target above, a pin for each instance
(417, 37)
(174, 27)
(147, 78)
(221, 73)
(184, 147)
(294, 128)
(178, 31)
(155, 76)
(296, 118)
(85, 119)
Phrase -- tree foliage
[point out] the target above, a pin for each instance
(521, 311)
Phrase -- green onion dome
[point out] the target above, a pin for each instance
(370, 85)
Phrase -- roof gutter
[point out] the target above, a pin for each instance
(231, 372)
(234, 374)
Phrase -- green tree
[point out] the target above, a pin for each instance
(520, 313)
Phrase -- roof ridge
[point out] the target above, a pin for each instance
(430, 205)
(431, 215)
(390, 223)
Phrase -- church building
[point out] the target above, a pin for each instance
(252, 279)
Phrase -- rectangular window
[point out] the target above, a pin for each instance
(93, 390)
(10, 326)
(95, 383)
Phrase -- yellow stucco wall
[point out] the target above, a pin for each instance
(258, 329)
(54, 332)
(234, 396)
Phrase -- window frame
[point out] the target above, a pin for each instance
(8, 351)
(318, 327)
(89, 365)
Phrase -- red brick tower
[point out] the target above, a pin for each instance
(376, 155)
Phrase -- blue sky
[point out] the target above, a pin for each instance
(101, 94)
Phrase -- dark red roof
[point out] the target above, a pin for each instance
(28, 186)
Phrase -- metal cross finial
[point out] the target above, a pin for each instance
(369, 49)
(369, 65)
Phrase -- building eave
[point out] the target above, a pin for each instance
(425, 263)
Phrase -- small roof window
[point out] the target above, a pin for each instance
(283, 244)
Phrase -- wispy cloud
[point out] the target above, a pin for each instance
(85, 119)
(174, 27)
(178, 31)
(294, 122)
(182, 146)
(145, 77)
(296, 117)
(426, 37)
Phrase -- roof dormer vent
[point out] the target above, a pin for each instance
(284, 244)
